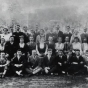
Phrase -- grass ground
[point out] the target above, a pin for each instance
(45, 82)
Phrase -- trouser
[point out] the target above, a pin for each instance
(2, 69)
(14, 68)
(61, 68)
(33, 70)
(76, 69)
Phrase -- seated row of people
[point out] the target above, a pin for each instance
(20, 65)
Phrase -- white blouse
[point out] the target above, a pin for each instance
(59, 46)
(21, 45)
(77, 46)
(6, 36)
(2, 47)
(41, 45)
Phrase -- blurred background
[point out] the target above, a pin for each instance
(44, 13)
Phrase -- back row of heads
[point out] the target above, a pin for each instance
(46, 29)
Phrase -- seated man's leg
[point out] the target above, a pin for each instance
(70, 69)
(4, 72)
(59, 69)
(1, 71)
(53, 70)
(37, 70)
(29, 70)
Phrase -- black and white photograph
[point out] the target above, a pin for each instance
(43, 43)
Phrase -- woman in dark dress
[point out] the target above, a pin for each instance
(41, 48)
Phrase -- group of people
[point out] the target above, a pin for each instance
(43, 51)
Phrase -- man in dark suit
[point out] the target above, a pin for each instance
(76, 64)
(33, 64)
(51, 44)
(18, 63)
(60, 33)
(67, 45)
(67, 34)
(11, 47)
(61, 61)
(49, 66)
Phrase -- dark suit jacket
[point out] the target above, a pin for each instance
(49, 63)
(17, 35)
(11, 48)
(15, 60)
(62, 60)
(77, 60)
(67, 35)
(67, 46)
(60, 34)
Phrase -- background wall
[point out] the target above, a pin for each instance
(44, 12)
